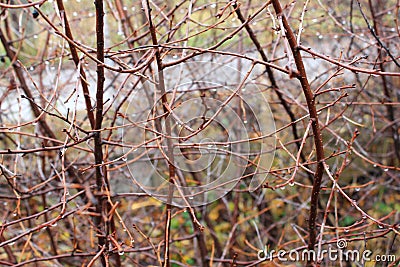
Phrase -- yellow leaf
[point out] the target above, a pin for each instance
(149, 202)
(214, 213)
(277, 207)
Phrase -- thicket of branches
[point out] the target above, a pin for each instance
(85, 87)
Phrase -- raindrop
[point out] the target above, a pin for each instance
(255, 23)
(375, 166)
(67, 193)
(53, 225)
(245, 121)
(121, 252)
(175, 56)
(90, 14)
(320, 37)
(124, 159)
(353, 202)
(5, 203)
(133, 8)
(132, 242)
(364, 217)
(190, 197)
(357, 189)
(315, 20)
(291, 183)
(385, 170)
(380, 226)
(283, 188)
(213, 5)
(35, 36)
(15, 214)
(120, 33)
(210, 146)
(31, 68)
(11, 244)
(226, 145)
(75, 14)
(346, 230)
(63, 150)
(125, 8)
(124, 229)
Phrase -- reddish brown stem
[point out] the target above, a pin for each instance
(386, 89)
(302, 77)
(170, 153)
(272, 79)
(98, 150)
(76, 60)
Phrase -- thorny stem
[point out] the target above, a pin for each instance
(302, 77)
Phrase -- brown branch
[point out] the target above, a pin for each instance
(170, 153)
(18, 71)
(302, 77)
(76, 60)
(101, 179)
(347, 66)
(6, 6)
(386, 90)
(271, 77)
(33, 150)
(375, 33)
